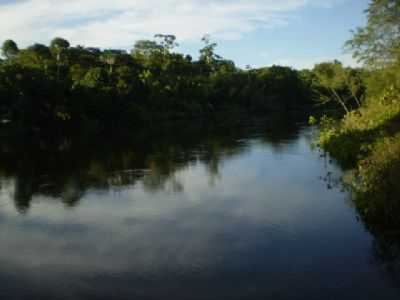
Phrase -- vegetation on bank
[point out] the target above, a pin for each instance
(367, 139)
(60, 86)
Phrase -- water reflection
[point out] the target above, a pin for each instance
(380, 217)
(382, 220)
(65, 169)
(209, 212)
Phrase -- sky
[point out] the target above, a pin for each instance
(296, 33)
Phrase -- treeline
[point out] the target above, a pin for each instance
(367, 138)
(58, 85)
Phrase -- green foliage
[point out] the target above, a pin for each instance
(78, 86)
(378, 43)
(378, 80)
(351, 138)
(376, 170)
(40, 50)
(368, 139)
(59, 43)
(312, 120)
(207, 53)
(144, 50)
(377, 188)
(9, 49)
(167, 42)
(342, 86)
(95, 78)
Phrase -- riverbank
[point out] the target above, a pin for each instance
(367, 141)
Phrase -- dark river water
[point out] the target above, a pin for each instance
(250, 211)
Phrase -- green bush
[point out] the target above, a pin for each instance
(377, 189)
(352, 138)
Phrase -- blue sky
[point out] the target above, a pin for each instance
(296, 33)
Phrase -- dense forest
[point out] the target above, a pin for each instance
(60, 87)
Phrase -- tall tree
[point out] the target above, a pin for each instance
(58, 46)
(338, 84)
(9, 49)
(207, 53)
(38, 55)
(110, 58)
(145, 48)
(378, 43)
(167, 42)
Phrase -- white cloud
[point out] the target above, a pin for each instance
(119, 23)
(309, 62)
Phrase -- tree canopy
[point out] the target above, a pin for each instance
(9, 49)
(80, 86)
(378, 43)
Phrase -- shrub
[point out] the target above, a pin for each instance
(378, 186)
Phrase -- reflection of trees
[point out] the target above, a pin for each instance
(381, 217)
(65, 168)
(386, 252)
(280, 130)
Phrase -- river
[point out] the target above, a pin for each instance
(245, 211)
